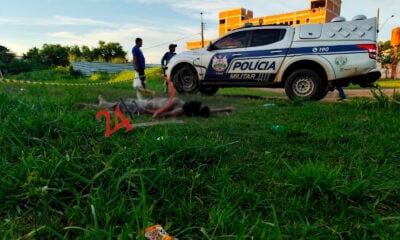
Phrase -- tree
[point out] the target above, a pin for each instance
(87, 54)
(385, 53)
(5, 55)
(54, 55)
(33, 55)
(75, 53)
(106, 52)
(18, 66)
(10, 64)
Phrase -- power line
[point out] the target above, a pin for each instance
(164, 43)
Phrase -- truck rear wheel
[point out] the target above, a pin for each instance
(305, 84)
(186, 80)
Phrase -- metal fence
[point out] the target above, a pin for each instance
(88, 68)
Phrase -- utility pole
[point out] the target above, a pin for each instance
(378, 25)
(202, 30)
(395, 47)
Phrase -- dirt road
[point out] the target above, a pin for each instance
(350, 93)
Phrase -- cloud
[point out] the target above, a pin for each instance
(155, 39)
(67, 36)
(55, 21)
(63, 20)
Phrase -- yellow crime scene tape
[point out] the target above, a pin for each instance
(61, 84)
(14, 81)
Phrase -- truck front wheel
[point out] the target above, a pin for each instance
(186, 80)
(305, 84)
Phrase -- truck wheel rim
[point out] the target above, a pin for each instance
(303, 87)
(188, 82)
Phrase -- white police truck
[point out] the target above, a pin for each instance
(307, 61)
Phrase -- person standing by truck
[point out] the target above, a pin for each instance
(165, 59)
(342, 95)
(139, 64)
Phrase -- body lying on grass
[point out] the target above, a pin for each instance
(158, 107)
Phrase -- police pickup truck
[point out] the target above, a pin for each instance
(307, 61)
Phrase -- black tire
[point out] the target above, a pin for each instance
(186, 80)
(324, 91)
(208, 90)
(305, 84)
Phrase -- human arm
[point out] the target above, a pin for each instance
(175, 112)
(164, 60)
(136, 62)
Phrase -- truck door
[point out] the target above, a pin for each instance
(219, 54)
(248, 57)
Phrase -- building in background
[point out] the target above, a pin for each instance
(395, 43)
(320, 11)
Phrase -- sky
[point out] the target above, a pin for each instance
(25, 24)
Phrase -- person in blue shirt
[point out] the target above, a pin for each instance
(165, 60)
(139, 64)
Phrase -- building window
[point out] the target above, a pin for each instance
(317, 4)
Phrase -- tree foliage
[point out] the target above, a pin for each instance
(5, 55)
(105, 52)
(33, 55)
(49, 55)
(10, 64)
(385, 53)
(54, 55)
(57, 55)
(109, 51)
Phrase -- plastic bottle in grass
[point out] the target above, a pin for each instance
(279, 129)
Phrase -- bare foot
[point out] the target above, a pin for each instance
(101, 99)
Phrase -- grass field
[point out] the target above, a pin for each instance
(272, 169)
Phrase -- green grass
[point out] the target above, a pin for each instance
(331, 172)
(389, 83)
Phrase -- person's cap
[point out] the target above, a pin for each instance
(173, 46)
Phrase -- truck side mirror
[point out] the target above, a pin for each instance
(210, 46)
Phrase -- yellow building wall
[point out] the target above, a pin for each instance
(395, 39)
(196, 44)
(320, 11)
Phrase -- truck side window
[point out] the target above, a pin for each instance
(233, 40)
(266, 36)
